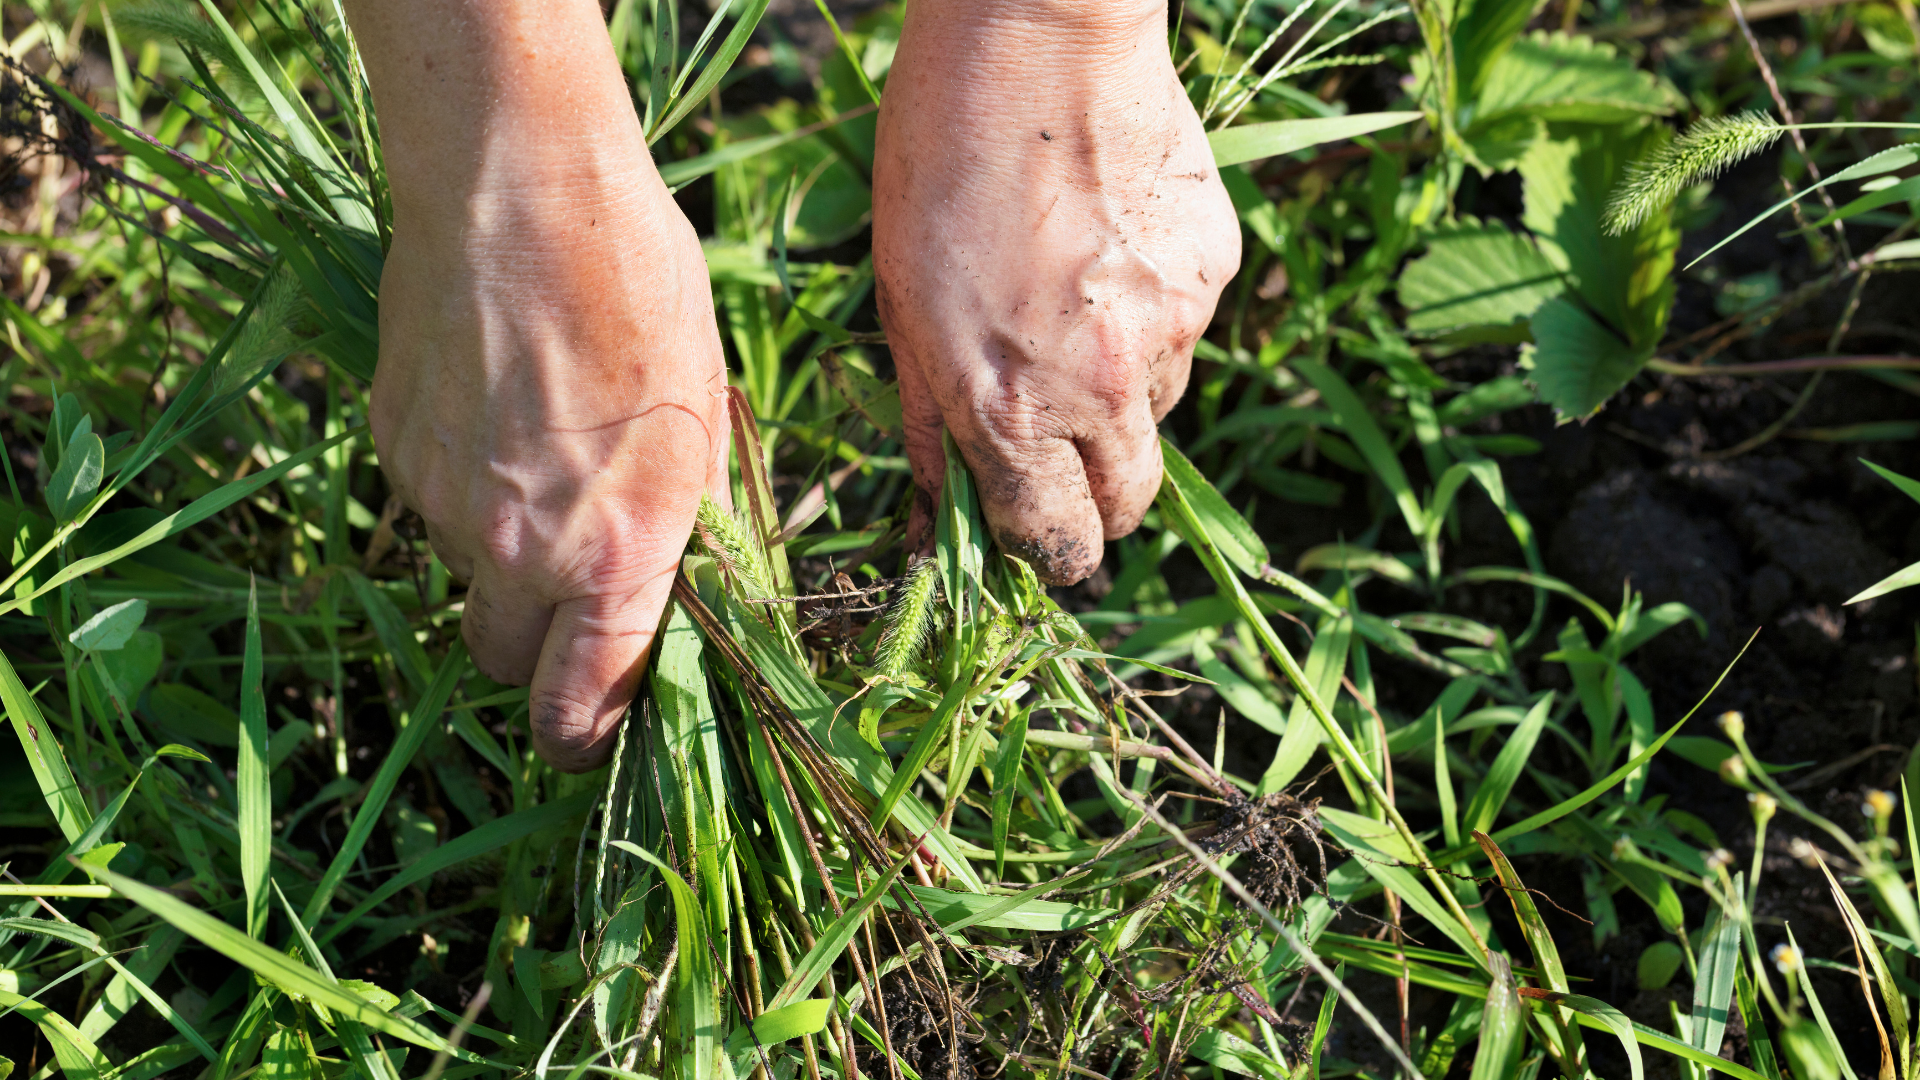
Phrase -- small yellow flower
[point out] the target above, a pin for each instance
(1732, 723)
(1763, 806)
(1880, 803)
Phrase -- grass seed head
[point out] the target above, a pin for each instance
(733, 548)
(1708, 149)
(909, 619)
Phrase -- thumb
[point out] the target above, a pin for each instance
(589, 671)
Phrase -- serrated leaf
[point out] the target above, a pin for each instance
(1624, 281)
(1483, 34)
(1568, 78)
(1476, 274)
(111, 628)
(1577, 362)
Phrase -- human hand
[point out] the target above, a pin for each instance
(1050, 237)
(550, 393)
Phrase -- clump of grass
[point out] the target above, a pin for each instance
(1708, 149)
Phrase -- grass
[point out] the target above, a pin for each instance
(869, 816)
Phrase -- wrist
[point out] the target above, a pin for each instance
(477, 98)
(1065, 32)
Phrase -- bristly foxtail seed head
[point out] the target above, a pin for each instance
(908, 620)
(1708, 149)
(732, 547)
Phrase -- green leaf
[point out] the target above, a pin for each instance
(273, 965)
(175, 523)
(1380, 852)
(1561, 77)
(57, 785)
(1231, 534)
(778, 1026)
(82, 466)
(1483, 33)
(1367, 438)
(1249, 142)
(1502, 1026)
(76, 1055)
(833, 941)
(1898, 157)
(252, 780)
(419, 723)
(1659, 962)
(1624, 281)
(1577, 362)
(1613, 1020)
(1476, 274)
(697, 984)
(111, 628)
(1492, 793)
(1903, 191)
(1713, 986)
(710, 75)
(1819, 1011)
(1546, 957)
(1226, 1051)
(1006, 782)
(492, 836)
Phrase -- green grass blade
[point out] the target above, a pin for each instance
(846, 50)
(173, 524)
(1713, 985)
(1505, 771)
(1613, 1020)
(1660, 1040)
(351, 211)
(711, 75)
(697, 983)
(76, 1055)
(1235, 539)
(1250, 142)
(391, 627)
(492, 836)
(1897, 157)
(833, 941)
(146, 965)
(1503, 1025)
(1323, 1025)
(421, 721)
(677, 174)
(271, 964)
(251, 776)
(1546, 956)
(1568, 806)
(1380, 854)
(57, 785)
(1819, 1011)
(1006, 781)
(1367, 438)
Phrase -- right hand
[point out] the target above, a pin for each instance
(551, 391)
